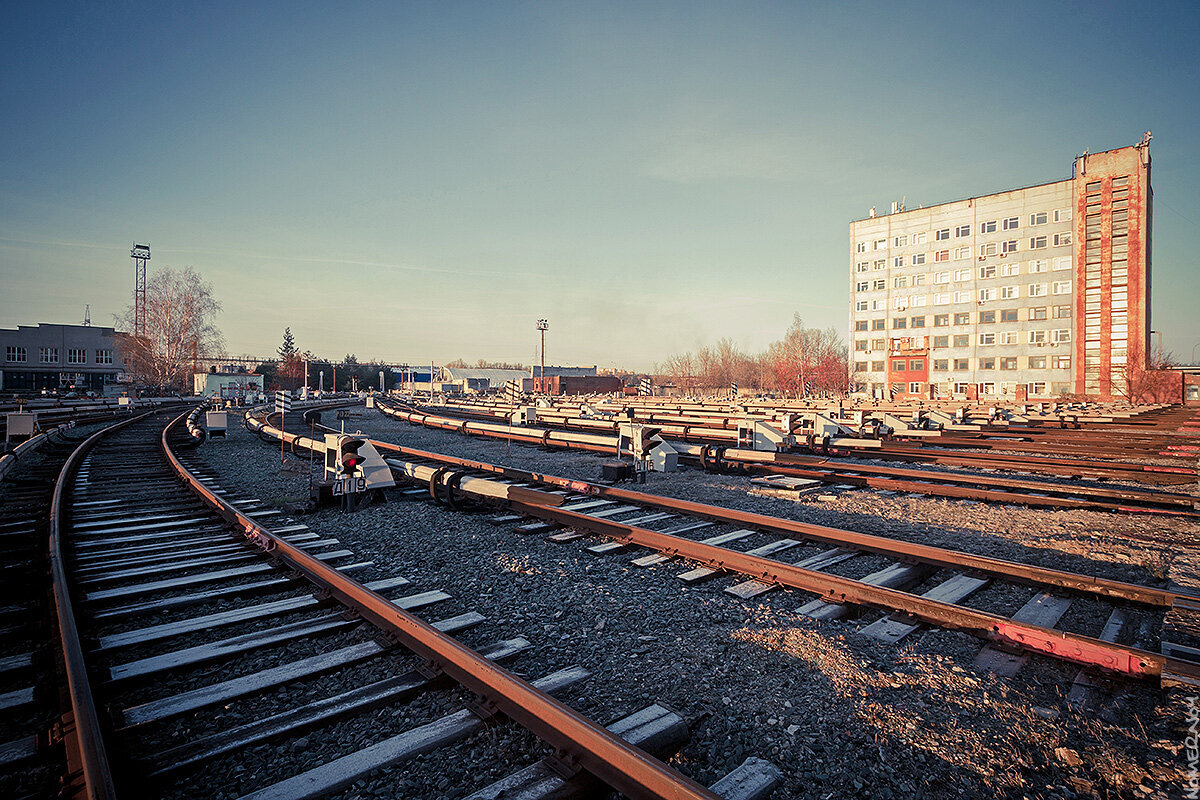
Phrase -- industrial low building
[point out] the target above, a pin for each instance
(1040, 291)
(228, 385)
(577, 384)
(60, 358)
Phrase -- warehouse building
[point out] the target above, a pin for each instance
(1041, 291)
(59, 357)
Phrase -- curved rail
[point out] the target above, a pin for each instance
(1077, 648)
(934, 483)
(625, 768)
(87, 731)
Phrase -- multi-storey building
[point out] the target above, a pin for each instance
(1033, 292)
(45, 356)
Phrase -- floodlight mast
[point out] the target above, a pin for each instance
(140, 255)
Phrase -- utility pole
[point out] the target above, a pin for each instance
(543, 326)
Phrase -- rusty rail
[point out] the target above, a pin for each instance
(1083, 650)
(1076, 648)
(85, 729)
(581, 741)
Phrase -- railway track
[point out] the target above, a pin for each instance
(32, 759)
(1097, 452)
(1066, 491)
(203, 631)
(894, 588)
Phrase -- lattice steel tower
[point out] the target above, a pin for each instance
(140, 254)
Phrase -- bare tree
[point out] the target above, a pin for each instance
(179, 329)
(681, 369)
(1156, 382)
(807, 360)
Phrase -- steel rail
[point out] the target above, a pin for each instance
(892, 451)
(906, 551)
(936, 484)
(1076, 648)
(968, 486)
(609, 758)
(86, 730)
(910, 551)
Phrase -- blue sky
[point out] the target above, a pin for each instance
(417, 181)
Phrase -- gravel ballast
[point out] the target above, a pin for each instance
(839, 713)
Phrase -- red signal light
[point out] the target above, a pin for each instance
(349, 457)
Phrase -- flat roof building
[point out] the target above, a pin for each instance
(49, 356)
(1034, 292)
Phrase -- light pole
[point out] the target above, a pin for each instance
(543, 326)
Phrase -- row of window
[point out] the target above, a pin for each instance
(15, 354)
(962, 295)
(905, 302)
(1035, 388)
(986, 339)
(961, 231)
(1007, 363)
(964, 274)
(964, 318)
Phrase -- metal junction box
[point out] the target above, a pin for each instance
(217, 423)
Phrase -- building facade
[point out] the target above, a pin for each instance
(1041, 291)
(59, 357)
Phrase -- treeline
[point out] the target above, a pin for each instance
(460, 363)
(342, 376)
(806, 361)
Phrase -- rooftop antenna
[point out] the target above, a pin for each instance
(140, 255)
(87, 314)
